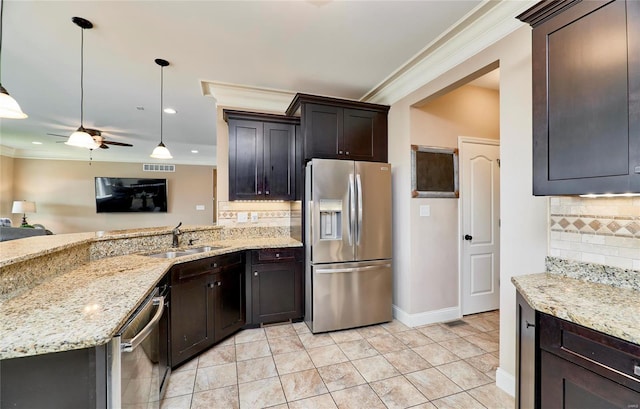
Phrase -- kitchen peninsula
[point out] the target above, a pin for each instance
(72, 292)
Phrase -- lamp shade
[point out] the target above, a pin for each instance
(161, 152)
(22, 206)
(9, 108)
(81, 139)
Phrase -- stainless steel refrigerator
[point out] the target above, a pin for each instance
(348, 244)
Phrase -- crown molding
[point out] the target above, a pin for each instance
(247, 97)
(484, 26)
(7, 151)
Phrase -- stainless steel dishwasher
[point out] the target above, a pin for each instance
(138, 369)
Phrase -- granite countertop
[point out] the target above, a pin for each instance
(607, 308)
(86, 306)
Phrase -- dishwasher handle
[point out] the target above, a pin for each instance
(129, 345)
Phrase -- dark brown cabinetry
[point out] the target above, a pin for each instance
(276, 285)
(527, 355)
(207, 304)
(262, 156)
(335, 128)
(586, 96)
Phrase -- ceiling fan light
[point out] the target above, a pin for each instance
(9, 107)
(161, 152)
(81, 139)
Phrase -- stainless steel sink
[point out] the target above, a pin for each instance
(184, 252)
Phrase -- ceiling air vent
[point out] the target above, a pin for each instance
(157, 167)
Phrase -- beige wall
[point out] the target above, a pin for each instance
(523, 217)
(6, 186)
(64, 193)
(465, 111)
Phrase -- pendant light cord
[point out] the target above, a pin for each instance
(82, 77)
(161, 98)
(1, 27)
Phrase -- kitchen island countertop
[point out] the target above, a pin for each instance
(605, 308)
(86, 306)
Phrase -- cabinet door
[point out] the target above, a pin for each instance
(246, 158)
(229, 311)
(191, 317)
(365, 136)
(276, 292)
(567, 385)
(323, 129)
(583, 113)
(279, 161)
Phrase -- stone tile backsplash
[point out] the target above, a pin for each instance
(269, 214)
(600, 230)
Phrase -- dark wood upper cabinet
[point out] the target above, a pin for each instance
(335, 128)
(262, 156)
(586, 96)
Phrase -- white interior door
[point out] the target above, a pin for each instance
(480, 249)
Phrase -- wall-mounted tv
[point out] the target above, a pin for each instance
(117, 195)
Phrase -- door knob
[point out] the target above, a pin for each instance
(468, 237)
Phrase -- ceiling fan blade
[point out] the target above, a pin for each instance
(116, 143)
(103, 146)
(55, 134)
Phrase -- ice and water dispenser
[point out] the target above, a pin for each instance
(330, 219)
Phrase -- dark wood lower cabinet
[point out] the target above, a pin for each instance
(567, 385)
(276, 285)
(207, 304)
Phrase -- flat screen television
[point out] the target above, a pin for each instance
(121, 195)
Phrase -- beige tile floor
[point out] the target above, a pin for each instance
(381, 366)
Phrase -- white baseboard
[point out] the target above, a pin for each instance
(506, 381)
(428, 317)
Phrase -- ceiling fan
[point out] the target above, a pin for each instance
(97, 136)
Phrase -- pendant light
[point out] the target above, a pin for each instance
(9, 107)
(81, 137)
(161, 151)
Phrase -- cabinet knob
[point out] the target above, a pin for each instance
(214, 265)
(259, 192)
(347, 152)
(255, 273)
(266, 192)
(277, 255)
(636, 370)
(340, 152)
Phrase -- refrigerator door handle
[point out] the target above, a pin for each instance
(352, 209)
(359, 225)
(350, 270)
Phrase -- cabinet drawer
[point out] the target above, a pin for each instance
(276, 255)
(612, 357)
(192, 269)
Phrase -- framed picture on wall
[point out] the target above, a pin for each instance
(434, 172)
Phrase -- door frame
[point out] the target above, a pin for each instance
(461, 140)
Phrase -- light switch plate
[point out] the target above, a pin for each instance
(425, 210)
(242, 217)
(254, 216)
(199, 207)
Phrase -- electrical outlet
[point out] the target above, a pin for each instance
(425, 210)
(254, 216)
(242, 217)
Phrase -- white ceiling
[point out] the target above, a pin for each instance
(338, 48)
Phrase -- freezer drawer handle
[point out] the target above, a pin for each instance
(351, 270)
(130, 344)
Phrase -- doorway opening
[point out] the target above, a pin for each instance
(466, 116)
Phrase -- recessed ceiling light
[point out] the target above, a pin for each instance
(194, 151)
(36, 143)
(170, 111)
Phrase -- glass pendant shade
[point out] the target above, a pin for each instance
(161, 152)
(81, 139)
(9, 107)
